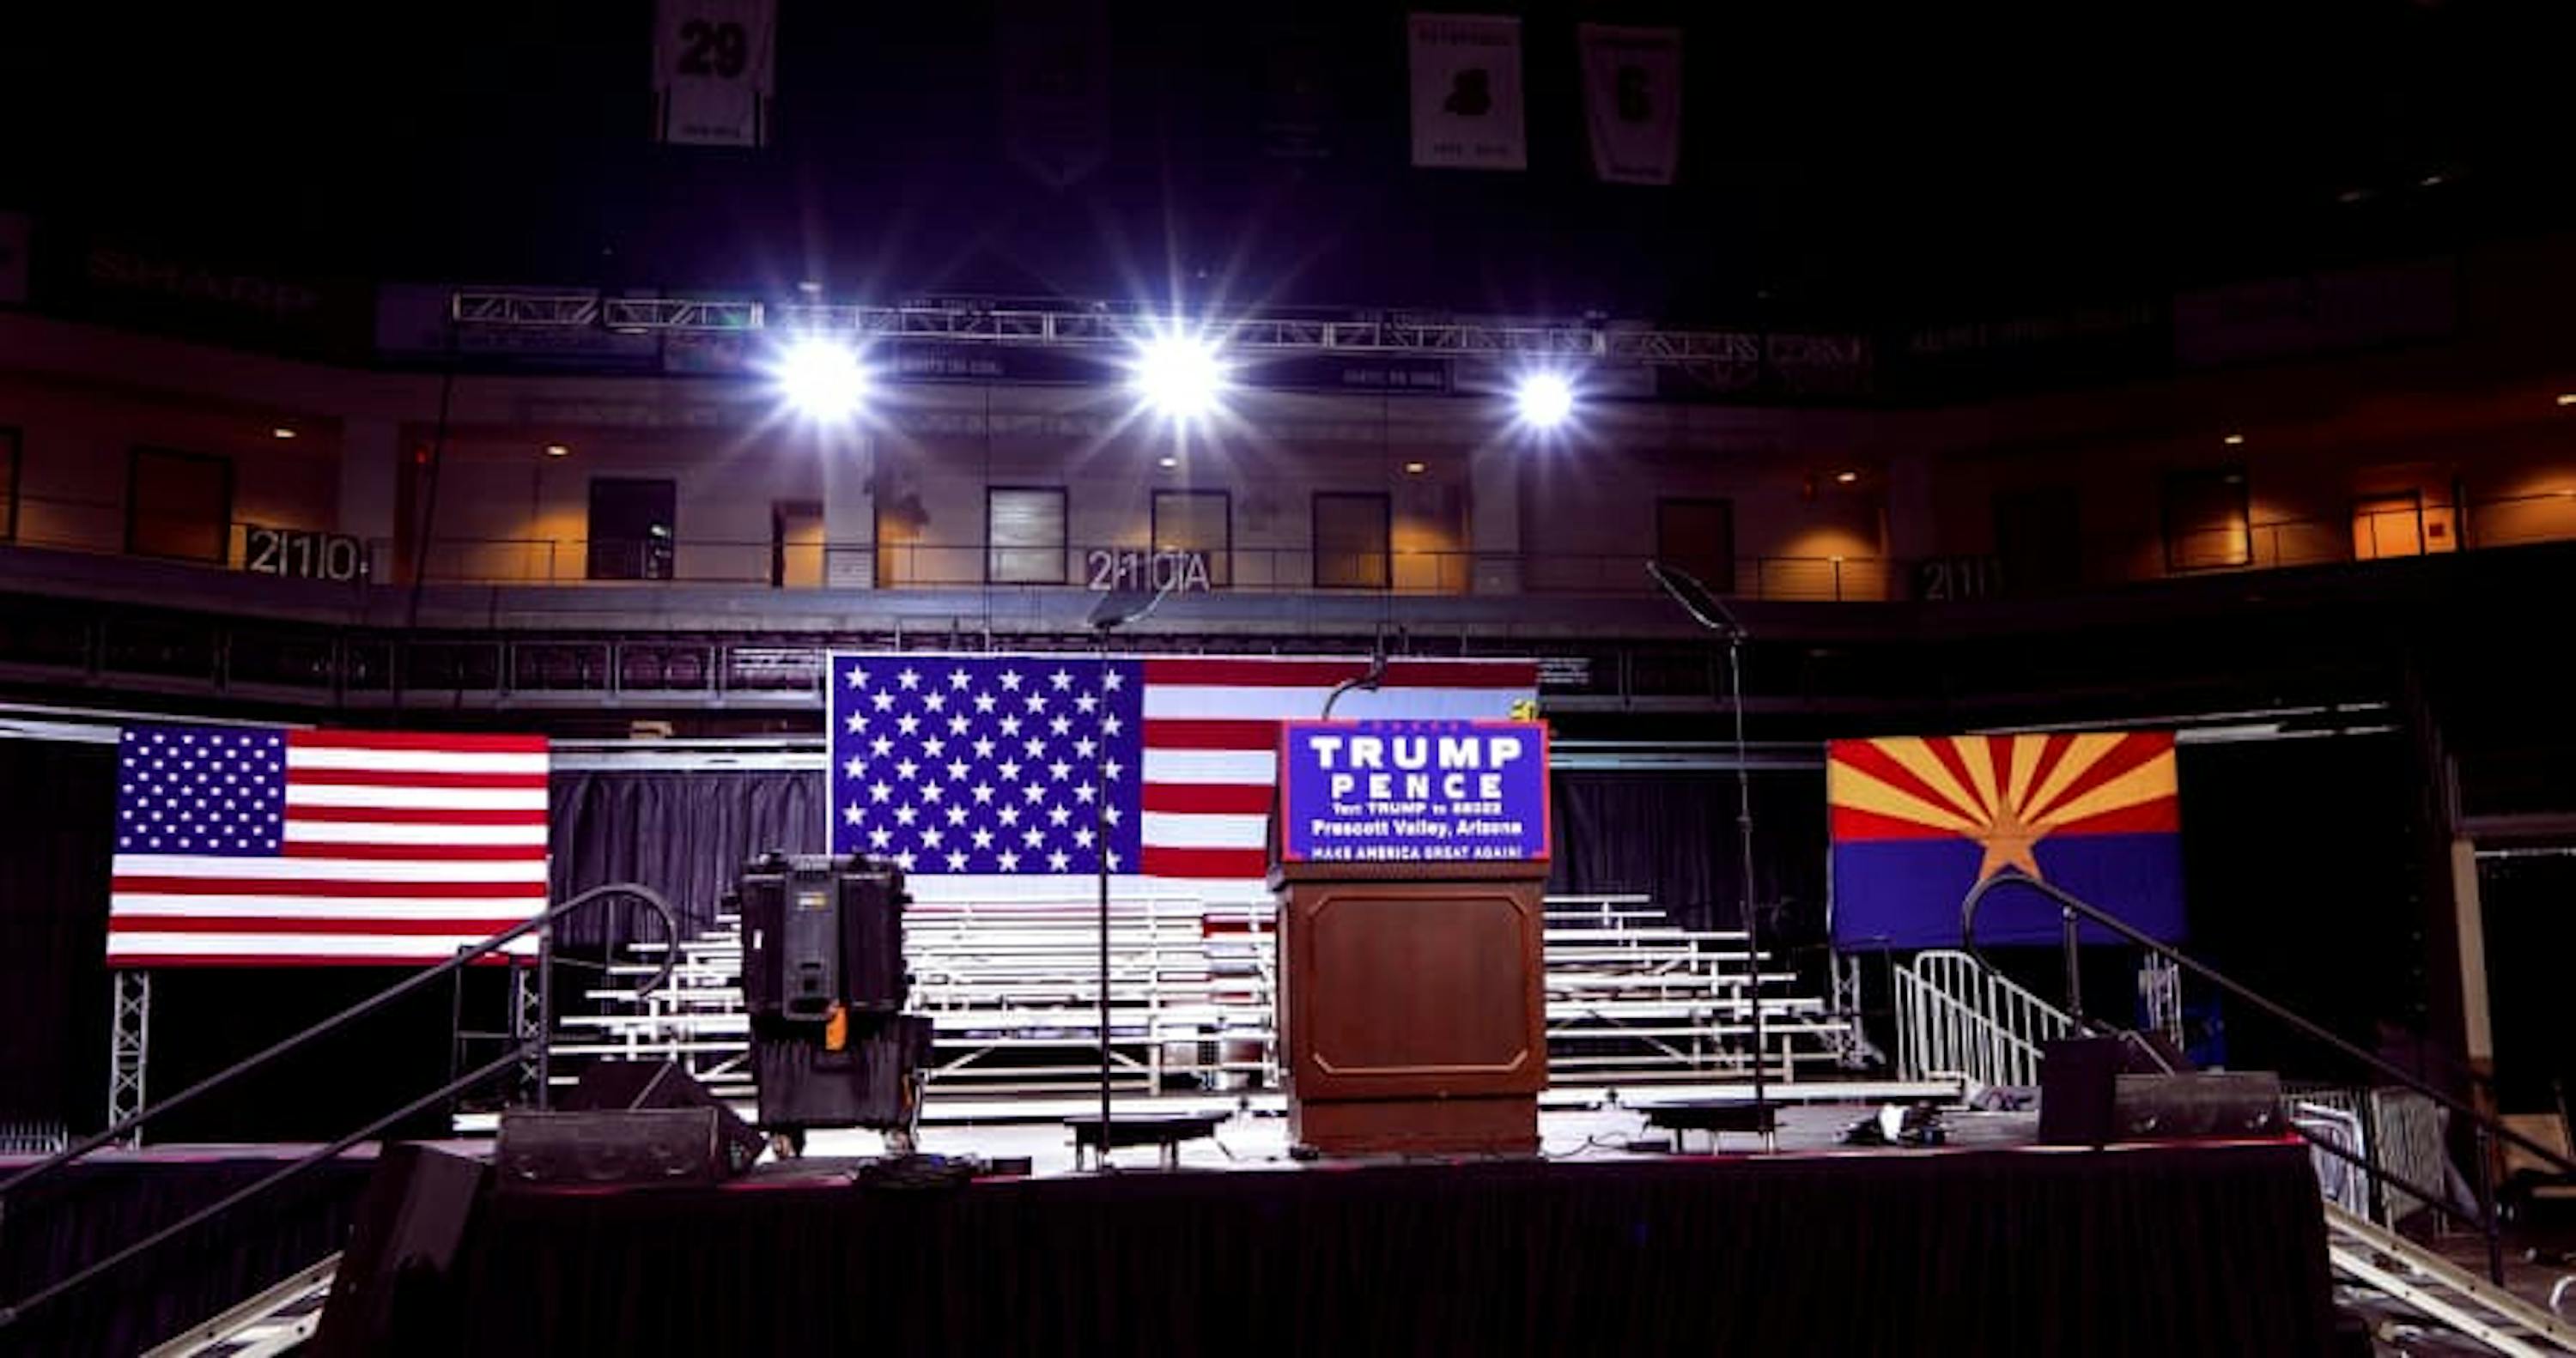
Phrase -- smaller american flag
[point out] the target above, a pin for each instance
(262, 846)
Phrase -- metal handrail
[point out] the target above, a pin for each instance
(2072, 907)
(2395, 1073)
(522, 1050)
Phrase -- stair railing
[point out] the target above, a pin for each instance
(1957, 1016)
(2074, 912)
(533, 1047)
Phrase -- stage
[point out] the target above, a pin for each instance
(1984, 1247)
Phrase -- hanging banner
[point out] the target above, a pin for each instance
(1055, 87)
(1467, 93)
(1632, 97)
(714, 70)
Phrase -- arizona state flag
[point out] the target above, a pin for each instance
(1916, 823)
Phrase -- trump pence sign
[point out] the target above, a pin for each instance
(1413, 791)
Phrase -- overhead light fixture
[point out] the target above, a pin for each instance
(822, 379)
(1544, 400)
(1167, 462)
(1416, 468)
(1846, 477)
(282, 432)
(1180, 375)
(2567, 398)
(557, 450)
(2233, 440)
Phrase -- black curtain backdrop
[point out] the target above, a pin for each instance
(2162, 1250)
(1673, 836)
(685, 834)
(58, 804)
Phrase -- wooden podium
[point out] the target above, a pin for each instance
(1412, 1006)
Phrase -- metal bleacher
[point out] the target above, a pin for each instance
(1012, 991)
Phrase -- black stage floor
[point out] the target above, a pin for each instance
(1974, 1249)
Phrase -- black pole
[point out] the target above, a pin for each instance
(1100, 851)
(2071, 940)
(1752, 914)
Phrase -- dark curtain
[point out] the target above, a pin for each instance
(93, 1209)
(2172, 1250)
(1673, 836)
(57, 817)
(685, 834)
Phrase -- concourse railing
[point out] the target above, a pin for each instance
(2075, 912)
(534, 1048)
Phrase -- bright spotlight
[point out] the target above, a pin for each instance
(1544, 400)
(1180, 376)
(821, 379)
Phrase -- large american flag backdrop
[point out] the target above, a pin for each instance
(262, 846)
(980, 773)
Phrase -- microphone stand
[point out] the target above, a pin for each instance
(1111, 613)
(1705, 610)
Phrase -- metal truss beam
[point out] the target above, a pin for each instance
(129, 1045)
(1075, 325)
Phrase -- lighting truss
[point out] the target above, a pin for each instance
(1075, 324)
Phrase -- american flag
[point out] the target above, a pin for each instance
(985, 774)
(260, 846)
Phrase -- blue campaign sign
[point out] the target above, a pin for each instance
(1413, 791)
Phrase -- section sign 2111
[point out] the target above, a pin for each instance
(1413, 791)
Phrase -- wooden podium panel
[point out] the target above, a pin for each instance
(1413, 1008)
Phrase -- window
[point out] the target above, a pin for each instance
(8, 485)
(178, 505)
(2399, 524)
(2207, 526)
(1352, 541)
(2039, 537)
(630, 528)
(1024, 535)
(1197, 521)
(1698, 536)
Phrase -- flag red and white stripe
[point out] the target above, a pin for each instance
(380, 847)
(1212, 745)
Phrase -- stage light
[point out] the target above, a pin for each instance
(1415, 468)
(821, 378)
(1167, 462)
(1846, 477)
(2567, 398)
(1180, 376)
(1544, 400)
(283, 432)
(557, 450)
(2233, 440)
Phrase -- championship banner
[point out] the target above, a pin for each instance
(1917, 823)
(1467, 93)
(1632, 97)
(1055, 87)
(714, 71)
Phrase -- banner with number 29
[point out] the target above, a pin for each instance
(714, 66)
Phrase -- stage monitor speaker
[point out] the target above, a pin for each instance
(631, 1147)
(2201, 1104)
(394, 1294)
(619, 1086)
(2075, 1076)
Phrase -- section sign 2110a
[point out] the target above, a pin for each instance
(1413, 791)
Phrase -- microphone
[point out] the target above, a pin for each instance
(1695, 598)
(1365, 683)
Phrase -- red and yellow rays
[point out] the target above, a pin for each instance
(2005, 792)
